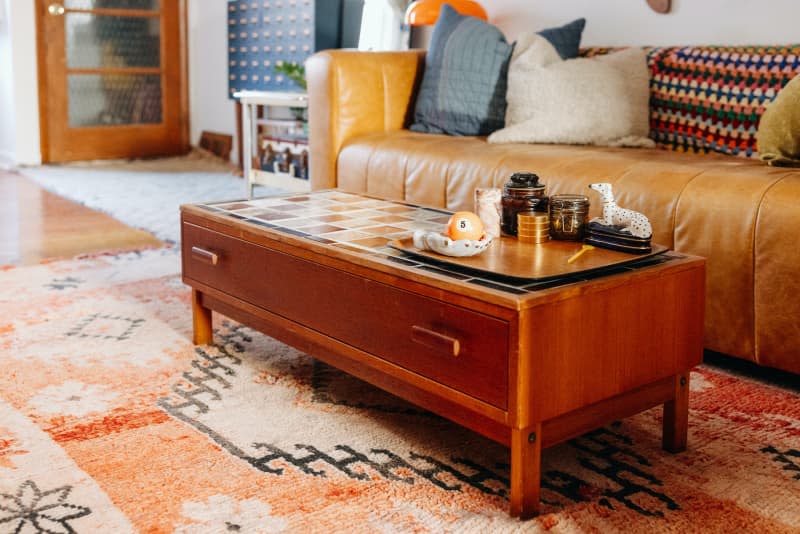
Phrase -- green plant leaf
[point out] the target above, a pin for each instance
(294, 71)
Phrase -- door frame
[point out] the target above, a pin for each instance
(43, 81)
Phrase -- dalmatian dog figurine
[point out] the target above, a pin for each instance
(632, 221)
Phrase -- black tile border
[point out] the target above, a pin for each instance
(443, 272)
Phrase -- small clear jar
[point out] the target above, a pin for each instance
(568, 217)
(523, 192)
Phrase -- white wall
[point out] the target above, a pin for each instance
(19, 95)
(632, 22)
(7, 115)
(209, 106)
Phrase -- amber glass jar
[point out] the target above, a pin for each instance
(568, 216)
(523, 192)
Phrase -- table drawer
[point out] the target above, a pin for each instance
(463, 349)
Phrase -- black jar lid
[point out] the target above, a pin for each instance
(524, 180)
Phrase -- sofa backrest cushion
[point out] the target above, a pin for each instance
(710, 99)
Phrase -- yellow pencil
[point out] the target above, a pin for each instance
(577, 255)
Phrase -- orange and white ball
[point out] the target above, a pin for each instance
(464, 225)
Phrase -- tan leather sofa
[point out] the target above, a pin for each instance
(743, 216)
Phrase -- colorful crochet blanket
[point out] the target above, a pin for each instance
(711, 98)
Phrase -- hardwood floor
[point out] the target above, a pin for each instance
(36, 225)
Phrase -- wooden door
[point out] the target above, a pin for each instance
(112, 78)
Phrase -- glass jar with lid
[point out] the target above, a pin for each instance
(521, 193)
(568, 217)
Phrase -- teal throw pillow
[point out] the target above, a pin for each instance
(566, 39)
(463, 90)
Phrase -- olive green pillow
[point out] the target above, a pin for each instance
(778, 134)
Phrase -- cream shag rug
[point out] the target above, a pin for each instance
(146, 194)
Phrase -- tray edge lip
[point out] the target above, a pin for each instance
(657, 251)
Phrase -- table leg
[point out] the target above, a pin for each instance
(676, 416)
(239, 137)
(526, 453)
(201, 321)
(247, 146)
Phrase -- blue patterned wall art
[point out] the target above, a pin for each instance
(261, 34)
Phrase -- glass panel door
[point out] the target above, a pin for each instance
(113, 64)
(113, 99)
(95, 41)
(114, 78)
(111, 4)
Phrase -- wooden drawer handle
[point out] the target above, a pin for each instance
(205, 255)
(435, 340)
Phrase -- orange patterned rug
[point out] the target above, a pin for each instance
(112, 421)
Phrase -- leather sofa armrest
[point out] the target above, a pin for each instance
(353, 93)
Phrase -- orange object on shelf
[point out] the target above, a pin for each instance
(425, 12)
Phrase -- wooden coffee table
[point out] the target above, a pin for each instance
(528, 364)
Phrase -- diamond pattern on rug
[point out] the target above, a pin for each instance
(106, 326)
(68, 282)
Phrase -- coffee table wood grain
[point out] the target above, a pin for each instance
(526, 365)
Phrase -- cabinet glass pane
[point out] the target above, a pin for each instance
(95, 41)
(112, 4)
(108, 100)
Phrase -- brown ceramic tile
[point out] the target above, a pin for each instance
(347, 200)
(321, 229)
(339, 208)
(236, 206)
(287, 207)
(332, 218)
(297, 222)
(356, 223)
(372, 242)
(347, 235)
(390, 219)
(397, 209)
(271, 215)
(382, 230)
(423, 225)
(297, 199)
(403, 235)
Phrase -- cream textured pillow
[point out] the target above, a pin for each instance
(600, 101)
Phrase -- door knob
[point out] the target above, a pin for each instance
(55, 9)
